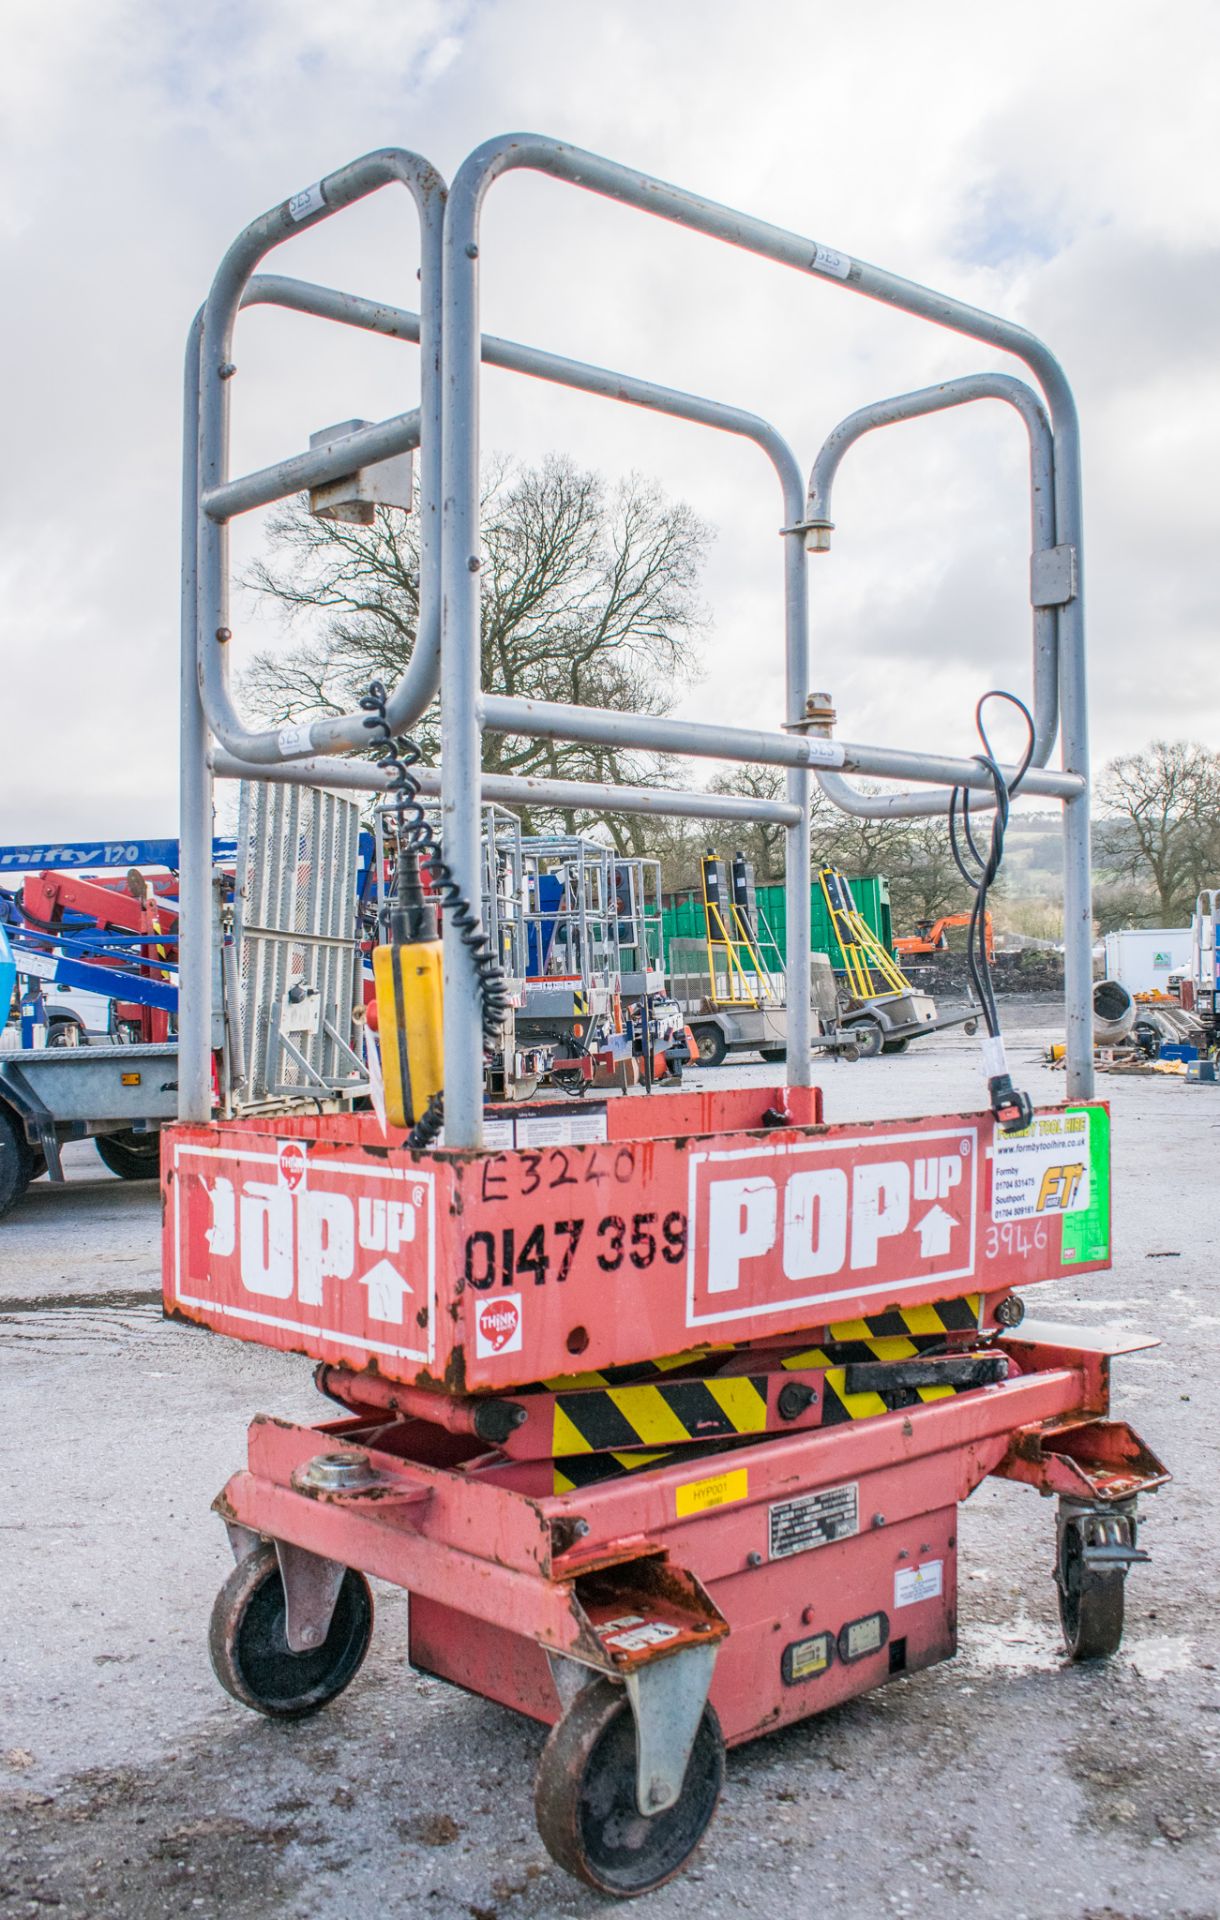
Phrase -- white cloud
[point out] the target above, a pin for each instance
(1055, 163)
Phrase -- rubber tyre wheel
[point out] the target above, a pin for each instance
(1090, 1605)
(971, 1028)
(58, 1031)
(868, 1036)
(16, 1162)
(131, 1161)
(247, 1640)
(712, 1045)
(584, 1797)
(896, 1046)
(773, 1055)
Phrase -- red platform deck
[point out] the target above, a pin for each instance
(696, 1220)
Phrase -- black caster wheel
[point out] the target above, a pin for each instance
(584, 1797)
(133, 1156)
(248, 1641)
(1090, 1603)
(712, 1046)
(16, 1161)
(868, 1036)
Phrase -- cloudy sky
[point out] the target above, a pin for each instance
(1055, 161)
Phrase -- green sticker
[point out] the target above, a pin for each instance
(1086, 1235)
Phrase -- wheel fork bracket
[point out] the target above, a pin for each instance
(311, 1586)
(667, 1698)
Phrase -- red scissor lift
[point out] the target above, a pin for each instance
(664, 1429)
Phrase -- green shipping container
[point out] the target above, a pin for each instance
(683, 916)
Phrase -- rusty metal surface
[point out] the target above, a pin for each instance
(486, 1271)
(1096, 1460)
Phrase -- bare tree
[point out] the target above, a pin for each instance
(1161, 823)
(589, 596)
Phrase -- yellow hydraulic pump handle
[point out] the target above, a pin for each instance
(407, 978)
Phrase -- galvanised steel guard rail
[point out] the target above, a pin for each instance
(211, 498)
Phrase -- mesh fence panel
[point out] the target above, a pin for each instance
(295, 925)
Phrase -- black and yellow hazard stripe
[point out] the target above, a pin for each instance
(590, 1469)
(595, 1432)
(658, 1414)
(924, 1326)
(628, 1376)
(900, 1334)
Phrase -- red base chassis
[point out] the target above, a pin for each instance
(770, 1511)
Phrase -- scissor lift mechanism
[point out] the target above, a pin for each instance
(665, 1430)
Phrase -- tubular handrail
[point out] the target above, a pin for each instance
(525, 789)
(398, 323)
(454, 585)
(363, 448)
(605, 726)
(336, 191)
(461, 561)
(917, 405)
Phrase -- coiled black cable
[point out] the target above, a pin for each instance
(397, 755)
(978, 870)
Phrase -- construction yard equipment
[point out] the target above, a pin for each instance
(664, 1426)
(881, 1009)
(932, 936)
(731, 984)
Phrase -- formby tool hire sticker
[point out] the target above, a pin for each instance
(1059, 1167)
(1043, 1170)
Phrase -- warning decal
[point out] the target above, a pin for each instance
(696, 1496)
(924, 1582)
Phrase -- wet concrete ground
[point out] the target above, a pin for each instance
(1002, 1783)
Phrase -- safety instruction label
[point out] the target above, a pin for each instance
(632, 1633)
(1043, 1171)
(925, 1582)
(816, 1520)
(697, 1496)
(583, 1126)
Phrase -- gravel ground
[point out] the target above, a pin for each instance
(1002, 1782)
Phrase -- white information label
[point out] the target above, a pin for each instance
(41, 965)
(653, 1633)
(294, 741)
(826, 260)
(825, 753)
(309, 200)
(1042, 1171)
(372, 1060)
(919, 1583)
(564, 1130)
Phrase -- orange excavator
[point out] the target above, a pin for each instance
(932, 936)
